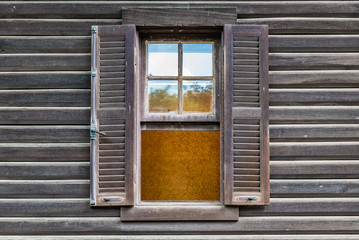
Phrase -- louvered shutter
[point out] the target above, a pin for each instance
(112, 165)
(246, 134)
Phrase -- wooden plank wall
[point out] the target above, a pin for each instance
(44, 117)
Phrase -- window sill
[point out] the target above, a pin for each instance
(179, 211)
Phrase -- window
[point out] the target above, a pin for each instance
(239, 111)
(178, 80)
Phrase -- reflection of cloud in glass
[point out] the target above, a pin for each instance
(162, 59)
(197, 59)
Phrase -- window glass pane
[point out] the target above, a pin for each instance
(162, 59)
(163, 96)
(197, 96)
(197, 59)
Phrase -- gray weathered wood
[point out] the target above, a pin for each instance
(314, 148)
(44, 44)
(314, 131)
(61, 207)
(216, 212)
(179, 16)
(313, 61)
(306, 24)
(45, 62)
(113, 225)
(318, 96)
(44, 115)
(315, 188)
(188, 237)
(108, 9)
(51, 27)
(338, 78)
(313, 43)
(44, 79)
(44, 188)
(314, 169)
(304, 113)
(44, 170)
(304, 207)
(44, 151)
(45, 98)
(44, 134)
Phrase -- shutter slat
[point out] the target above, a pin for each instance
(246, 115)
(115, 117)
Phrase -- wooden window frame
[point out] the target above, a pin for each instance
(180, 210)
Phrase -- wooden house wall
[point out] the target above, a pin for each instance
(45, 112)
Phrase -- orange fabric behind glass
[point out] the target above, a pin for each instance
(180, 165)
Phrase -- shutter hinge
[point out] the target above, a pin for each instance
(94, 29)
(93, 73)
(246, 199)
(112, 199)
(93, 131)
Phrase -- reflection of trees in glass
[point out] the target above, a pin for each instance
(197, 98)
(162, 101)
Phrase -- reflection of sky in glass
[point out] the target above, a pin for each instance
(162, 59)
(197, 59)
(169, 85)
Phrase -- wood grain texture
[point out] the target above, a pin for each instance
(102, 225)
(308, 132)
(332, 169)
(318, 96)
(44, 188)
(314, 78)
(315, 188)
(44, 44)
(188, 237)
(44, 151)
(313, 43)
(45, 62)
(314, 61)
(290, 25)
(44, 134)
(45, 98)
(108, 9)
(44, 115)
(44, 170)
(52, 207)
(315, 113)
(314, 148)
(304, 207)
(179, 16)
(45, 79)
(51, 27)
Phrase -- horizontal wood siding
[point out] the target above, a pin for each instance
(45, 115)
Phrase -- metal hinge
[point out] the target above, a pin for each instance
(93, 73)
(94, 29)
(93, 131)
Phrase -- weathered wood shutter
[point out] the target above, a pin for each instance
(246, 134)
(112, 165)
